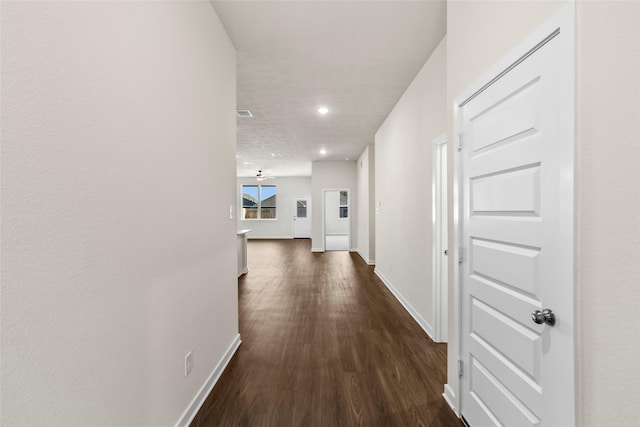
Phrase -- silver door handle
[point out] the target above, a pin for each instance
(545, 316)
(446, 251)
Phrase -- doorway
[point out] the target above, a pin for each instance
(301, 213)
(440, 295)
(337, 220)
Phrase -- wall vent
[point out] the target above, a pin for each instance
(243, 113)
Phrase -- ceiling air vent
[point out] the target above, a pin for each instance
(243, 113)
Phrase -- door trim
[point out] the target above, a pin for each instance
(438, 246)
(563, 22)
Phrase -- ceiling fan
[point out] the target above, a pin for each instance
(261, 177)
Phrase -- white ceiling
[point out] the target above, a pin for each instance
(354, 57)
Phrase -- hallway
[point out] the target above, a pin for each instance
(324, 343)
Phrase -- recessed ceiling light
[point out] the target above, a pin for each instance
(323, 151)
(276, 155)
(247, 163)
(243, 113)
(347, 159)
(323, 110)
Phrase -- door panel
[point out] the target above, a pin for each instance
(517, 239)
(515, 114)
(514, 379)
(492, 326)
(505, 265)
(509, 192)
(508, 409)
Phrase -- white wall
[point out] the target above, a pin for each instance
(608, 193)
(365, 167)
(607, 181)
(332, 176)
(118, 170)
(282, 227)
(403, 187)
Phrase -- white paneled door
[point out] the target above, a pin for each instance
(517, 366)
(301, 217)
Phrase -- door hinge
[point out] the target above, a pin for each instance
(460, 255)
(460, 367)
(460, 142)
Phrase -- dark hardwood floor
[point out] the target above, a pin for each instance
(324, 343)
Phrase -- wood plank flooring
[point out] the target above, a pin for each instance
(324, 343)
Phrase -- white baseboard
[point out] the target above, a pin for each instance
(450, 398)
(195, 405)
(412, 311)
(367, 260)
(317, 249)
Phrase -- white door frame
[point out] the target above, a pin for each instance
(565, 19)
(324, 220)
(294, 213)
(439, 292)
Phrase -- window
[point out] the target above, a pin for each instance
(344, 204)
(301, 209)
(259, 202)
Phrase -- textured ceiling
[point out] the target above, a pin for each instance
(354, 57)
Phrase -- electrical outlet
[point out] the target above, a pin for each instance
(188, 363)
